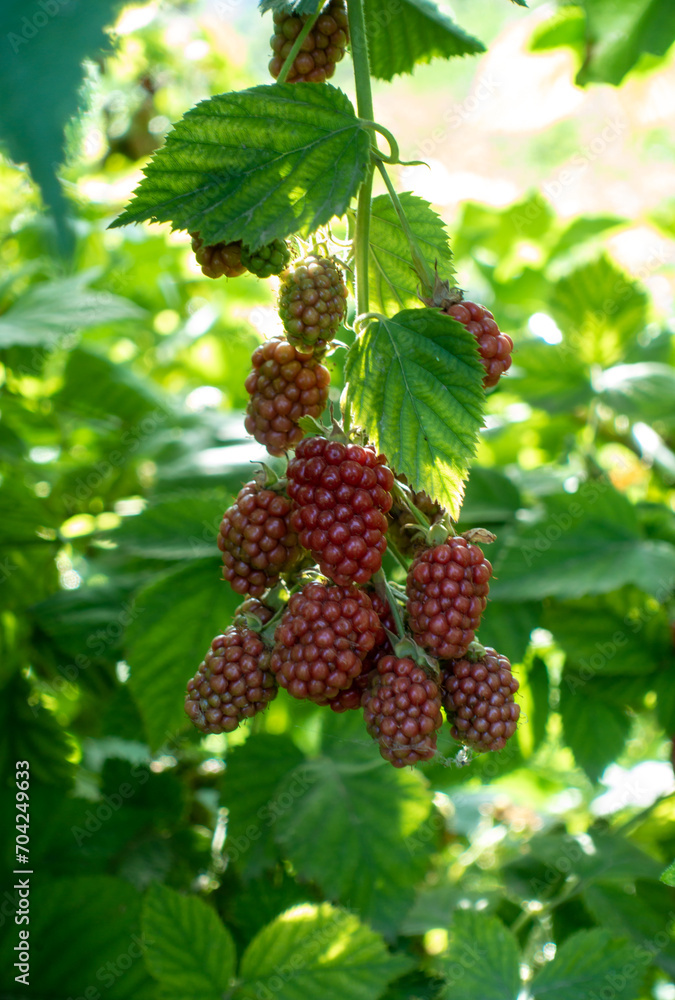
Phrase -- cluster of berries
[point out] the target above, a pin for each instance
(305, 549)
(334, 642)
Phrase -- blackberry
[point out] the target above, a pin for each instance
(351, 698)
(267, 260)
(494, 347)
(478, 698)
(323, 47)
(256, 540)
(321, 641)
(447, 590)
(219, 259)
(284, 385)
(341, 494)
(252, 606)
(232, 683)
(402, 710)
(312, 302)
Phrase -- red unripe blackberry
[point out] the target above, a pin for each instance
(266, 261)
(341, 494)
(402, 710)
(284, 385)
(323, 47)
(312, 302)
(233, 682)
(447, 592)
(321, 641)
(494, 347)
(256, 540)
(252, 606)
(478, 697)
(351, 698)
(219, 259)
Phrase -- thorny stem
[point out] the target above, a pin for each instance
(297, 44)
(364, 103)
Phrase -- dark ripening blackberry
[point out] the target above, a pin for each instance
(402, 710)
(219, 259)
(447, 592)
(312, 302)
(321, 641)
(323, 47)
(478, 698)
(232, 683)
(284, 385)
(494, 347)
(266, 261)
(257, 541)
(351, 698)
(341, 494)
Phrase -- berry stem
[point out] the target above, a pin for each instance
(421, 267)
(382, 586)
(297, 44)
(397, 555)
(364, 103)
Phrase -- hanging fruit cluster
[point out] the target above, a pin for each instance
(320, 619)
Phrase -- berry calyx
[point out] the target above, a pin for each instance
(219, 259)
(494, 346)
(447, 590)
(267, 260)
(256, 540)
(322, 639)
(284, 386)
(323, 47)
(478, 698)
(402, 710)
(341, 493)
(312, 302)
(232, 683)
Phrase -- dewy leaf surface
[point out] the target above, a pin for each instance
(256, 165)
(392, 280)
(415, 386)
(408, 32)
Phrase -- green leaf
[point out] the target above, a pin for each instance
(251, 793)
(618, 34)
(177, 616)
(40, 79)
(595, 729)
(600, 310)
(24, 517)
(392, 280)
(588, 543)
(414, 31)
(586, 964)
(507, 627)
(90, 937)
(293, 6)
(415, 386)
(189, 950)
(551, 377)
(175, 529)
(668, 875)
(490, 498)
(335, 801)
(615, 634)
(256, 165)
(96, 387)
(566, 27)
(641, 910)
(639, 391)
(29, 731)
(317, 951)
(49, 313)
(482, 961)
(539, 688)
